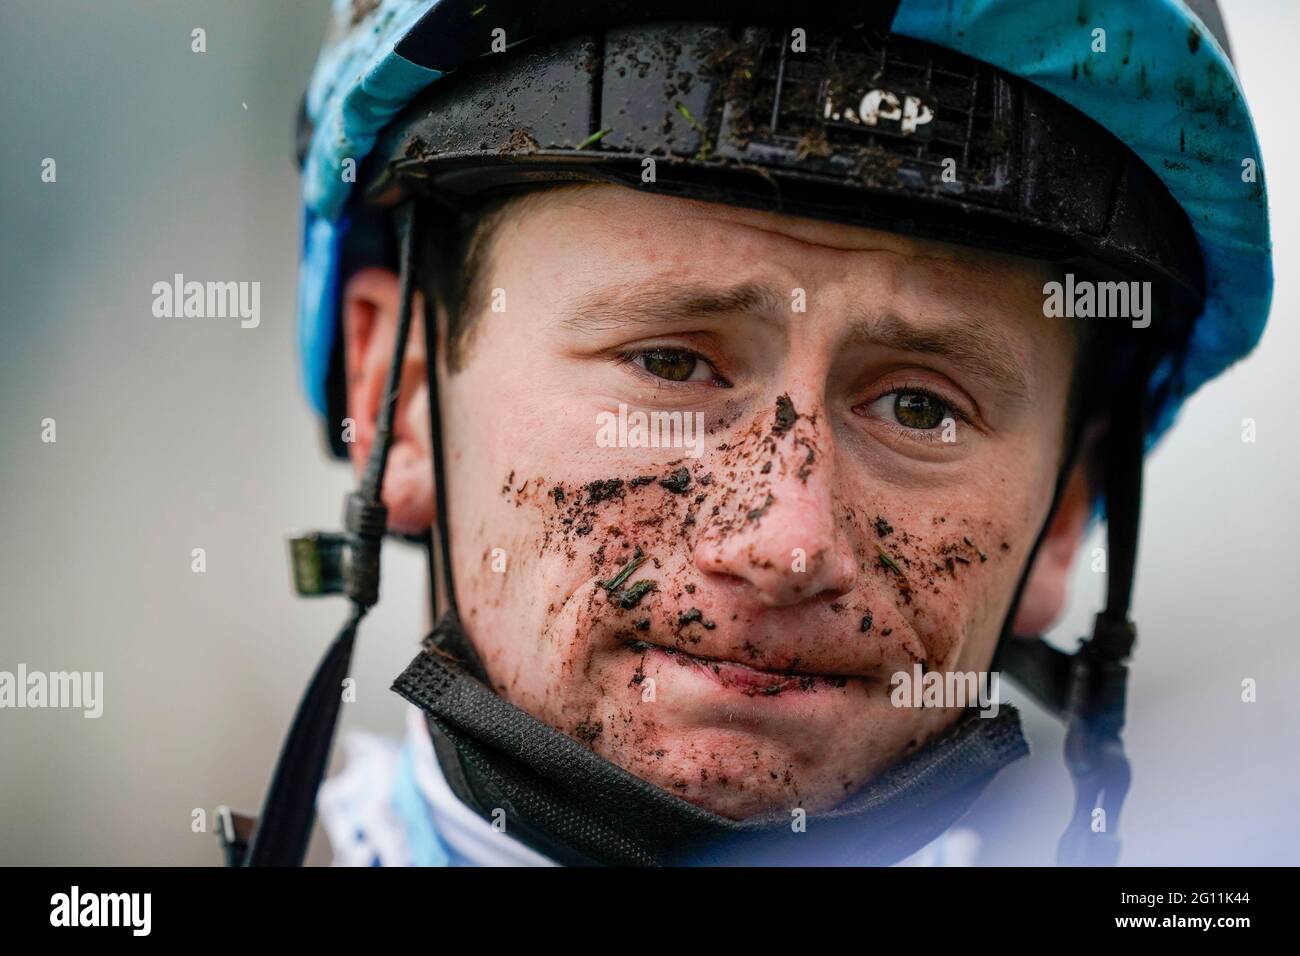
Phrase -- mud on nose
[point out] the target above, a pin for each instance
(777, 529)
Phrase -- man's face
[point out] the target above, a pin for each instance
(883, 419)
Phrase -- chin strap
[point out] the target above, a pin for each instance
(327, 563)
(1088, 688)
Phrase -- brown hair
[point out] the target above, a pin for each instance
(456, 258)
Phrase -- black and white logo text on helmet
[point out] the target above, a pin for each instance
(887, 112)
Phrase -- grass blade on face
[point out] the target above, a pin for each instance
(616, 582)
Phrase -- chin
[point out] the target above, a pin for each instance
(737, 774)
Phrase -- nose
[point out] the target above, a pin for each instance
(778, 532)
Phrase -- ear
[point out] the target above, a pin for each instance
(1047, 588)
(370, 305)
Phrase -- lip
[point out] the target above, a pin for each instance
(790, 641)
(751, 681)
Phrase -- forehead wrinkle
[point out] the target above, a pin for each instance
(984, 352)
(661, 299)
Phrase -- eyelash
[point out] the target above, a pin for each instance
(923, 436)
(629, 357)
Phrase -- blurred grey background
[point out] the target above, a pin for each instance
(183, 434)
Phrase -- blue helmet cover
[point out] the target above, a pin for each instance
(359, 84)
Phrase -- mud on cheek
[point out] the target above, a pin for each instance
(945, 574)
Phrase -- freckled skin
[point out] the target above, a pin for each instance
(789, 534)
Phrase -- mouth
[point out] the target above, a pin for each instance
(751, 681)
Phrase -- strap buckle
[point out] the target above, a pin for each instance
(317, 559)
(342, 562)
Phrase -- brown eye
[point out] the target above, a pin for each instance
(674, 365)
(919, 410)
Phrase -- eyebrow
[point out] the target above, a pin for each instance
(967, 343)
(656, 302)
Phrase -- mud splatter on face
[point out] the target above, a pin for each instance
(635, 534)
(786, 416)
(638, 532)
(678, 481)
